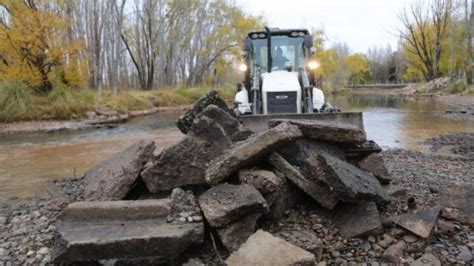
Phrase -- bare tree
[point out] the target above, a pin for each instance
(423, 29)
(469, 20)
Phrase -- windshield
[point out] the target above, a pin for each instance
(286, 51)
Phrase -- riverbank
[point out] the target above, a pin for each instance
(48, 126)
(27, 225)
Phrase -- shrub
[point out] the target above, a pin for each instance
(15, 100)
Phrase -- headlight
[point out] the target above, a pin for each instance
(313, 65)
(243, 67)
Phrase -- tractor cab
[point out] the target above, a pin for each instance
(279, 74)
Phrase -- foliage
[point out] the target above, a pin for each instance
(15, 99)
(34, 46)
(358, 66)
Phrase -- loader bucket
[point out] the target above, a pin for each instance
(258, 123)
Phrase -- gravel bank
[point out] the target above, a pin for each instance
(27, 226)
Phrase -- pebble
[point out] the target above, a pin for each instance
(465, 255)
(3, 252)
(410, 238)
(335, 254)
(43, 251)
(197, 218)
(189, 219)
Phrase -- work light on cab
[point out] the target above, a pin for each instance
(313, 65)
(243, 67)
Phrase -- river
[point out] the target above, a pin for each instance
(28, 161)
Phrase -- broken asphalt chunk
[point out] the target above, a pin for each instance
(262, 248)
(113, 178)
(185, 121)
(92, 231)
(325, 131)
(354, 220)
(185, 163)
(319, 191)
(374, 164)
(225, 203)
(420, 222)
(247, 153)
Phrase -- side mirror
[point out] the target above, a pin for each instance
(308, 41)
(247, 45)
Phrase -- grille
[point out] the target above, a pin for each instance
(281, 102)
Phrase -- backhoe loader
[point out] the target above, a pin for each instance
(280, 82)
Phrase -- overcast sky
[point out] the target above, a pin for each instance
(359, 23)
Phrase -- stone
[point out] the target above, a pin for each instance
(357, 220)
(242, 135)
(456, 201)
(374, 164)
(427, 260)
(249, 152)
(194, 262)
(420, 222)
(224, 203)
(43, 251)
(410, 238)
(91, 231)
(4, 252)
(274, 187)
(343, 180)
(305, 239)
(396, 191)
(228, 122)
(394, 253)
(318, 191)
(266, 182)
(185, 163)
(465, 255)
(325, 131)
(113, 178)
(262, 248)
(185, 121)
(235, 234)
(445, 226)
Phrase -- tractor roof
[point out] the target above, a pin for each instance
(277, 31)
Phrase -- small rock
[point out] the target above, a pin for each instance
(30, 253)
(197, 218)
(4, 252)
(427, 260)
(43, 251)
(335, 254)
(465, 255)
(394, 253)
(410, 238)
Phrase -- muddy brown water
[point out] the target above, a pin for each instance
(29, 161)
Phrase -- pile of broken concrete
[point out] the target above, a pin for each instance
(223, 180)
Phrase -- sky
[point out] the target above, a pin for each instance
(359, 23)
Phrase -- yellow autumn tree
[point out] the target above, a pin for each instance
(358, 66)
(34, 48)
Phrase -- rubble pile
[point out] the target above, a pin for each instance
(229, 186)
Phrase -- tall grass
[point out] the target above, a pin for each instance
(19, 102)
(15, 100)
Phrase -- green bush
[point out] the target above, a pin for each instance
(15, 100)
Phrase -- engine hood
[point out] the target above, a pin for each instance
(280, 81)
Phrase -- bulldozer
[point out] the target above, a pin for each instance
(279, 81)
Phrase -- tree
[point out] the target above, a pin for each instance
(469, 20)
(423, 31)
(358, 66)
(33, 45)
